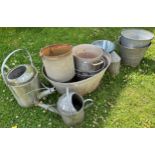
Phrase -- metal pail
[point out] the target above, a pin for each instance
(136, 38)
(132, 56)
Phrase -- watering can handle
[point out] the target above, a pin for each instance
(88, 103)
(6, 59)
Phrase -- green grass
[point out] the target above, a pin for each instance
(127, 100)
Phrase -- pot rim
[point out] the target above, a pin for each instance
(77, 82)
(58, 56)
(77, 70)
(123, 35)
(88, 59)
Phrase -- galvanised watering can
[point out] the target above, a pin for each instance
(23, 81)
(70, 107)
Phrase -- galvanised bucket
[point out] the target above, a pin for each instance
(136, 38)
(132, 56)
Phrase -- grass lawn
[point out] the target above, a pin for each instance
(127, 100)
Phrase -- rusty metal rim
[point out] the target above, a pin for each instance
(58, 56)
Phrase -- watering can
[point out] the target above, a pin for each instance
(23, 81)
(70, 107)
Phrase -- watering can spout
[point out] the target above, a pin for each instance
(47, 107)
(45, 93)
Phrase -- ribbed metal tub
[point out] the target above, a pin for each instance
(82, 87)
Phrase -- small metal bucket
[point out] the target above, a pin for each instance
(23, 81)
(88, 58)
(132, 56)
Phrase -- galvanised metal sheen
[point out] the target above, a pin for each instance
(23, 81)
(70, 107)
(136, 38)
(106, 45)
(88, 58)
(132, 56)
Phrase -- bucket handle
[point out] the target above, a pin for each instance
(6, 59)
(88, 103)
(98, 63)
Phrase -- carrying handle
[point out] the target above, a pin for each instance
(6, 59)
(88, 103)
(6, 68)
(98, 63)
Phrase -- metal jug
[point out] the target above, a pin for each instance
(70, 107)
(23, 81)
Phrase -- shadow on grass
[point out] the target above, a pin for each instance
(106, 95)
(147, 66)
(105, 98)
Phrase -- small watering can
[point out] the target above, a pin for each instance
(23, 81)
(70, 107)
